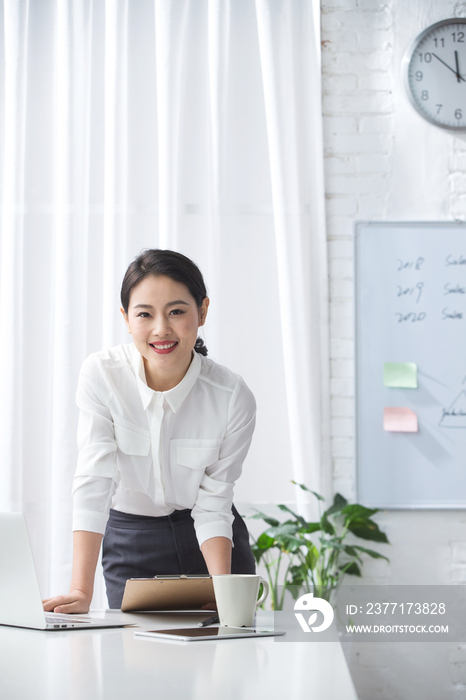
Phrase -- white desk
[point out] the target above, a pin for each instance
(113, 664)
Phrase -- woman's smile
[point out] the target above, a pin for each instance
(163, 348)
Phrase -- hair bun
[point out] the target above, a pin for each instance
(200, 347)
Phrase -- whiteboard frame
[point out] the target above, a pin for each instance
(455, 224)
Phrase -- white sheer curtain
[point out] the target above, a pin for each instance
(187, 124)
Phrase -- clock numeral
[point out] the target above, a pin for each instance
(458, 114)
(439, 107)
(458, 37)
(425, 57)
(419, 75)
(442, 42)
(424, 95)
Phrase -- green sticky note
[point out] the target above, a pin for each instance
(400, 375)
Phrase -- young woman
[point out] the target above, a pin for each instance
(163, 432)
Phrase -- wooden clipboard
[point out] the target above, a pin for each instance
(167, 593)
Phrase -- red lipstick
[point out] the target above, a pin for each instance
(164, 348)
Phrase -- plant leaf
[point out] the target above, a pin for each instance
(356, 511)
(264, 542)
(261, 546)
(311, 527)
(295, 515)
(332, 543)
(352, 552)
(257, 553)
(327, 525)
(312, 557)
(284, 529)
(304, 488)
(368, 530)
(298, 575)
(371, 553)
(338, 504)
(352, 569)
(265, 518)
(288, 544)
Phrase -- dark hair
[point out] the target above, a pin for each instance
(167, 263)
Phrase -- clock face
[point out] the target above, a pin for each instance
(435, 74)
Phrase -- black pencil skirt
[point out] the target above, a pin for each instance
(138, 546)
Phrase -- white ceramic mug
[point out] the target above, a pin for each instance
(236, 598)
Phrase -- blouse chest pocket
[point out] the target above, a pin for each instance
(188, 461)
(131, 442)
(134, 442)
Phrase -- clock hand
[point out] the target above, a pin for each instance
(458, 74)
(460, 77)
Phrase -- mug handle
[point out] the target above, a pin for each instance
(265, 592)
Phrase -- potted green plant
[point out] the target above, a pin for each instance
(315, 556)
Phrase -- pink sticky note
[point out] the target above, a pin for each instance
(398, 419)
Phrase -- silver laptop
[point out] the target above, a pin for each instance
(20, 600)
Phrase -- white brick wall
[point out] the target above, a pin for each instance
(384, 162)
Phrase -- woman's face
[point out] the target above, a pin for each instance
(163, 319)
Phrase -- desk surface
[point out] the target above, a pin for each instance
(112, 663)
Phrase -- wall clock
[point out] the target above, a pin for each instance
(435, 74)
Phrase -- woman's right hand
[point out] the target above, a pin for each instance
(86, 547)
(74, 602)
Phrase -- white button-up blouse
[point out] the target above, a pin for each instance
(149, 453)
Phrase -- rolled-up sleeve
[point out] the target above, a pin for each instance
(212, 512)
(96, 473)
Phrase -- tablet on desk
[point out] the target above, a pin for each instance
(197, 634)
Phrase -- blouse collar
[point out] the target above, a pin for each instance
(175, 396)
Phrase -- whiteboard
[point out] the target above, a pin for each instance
(410, 293)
